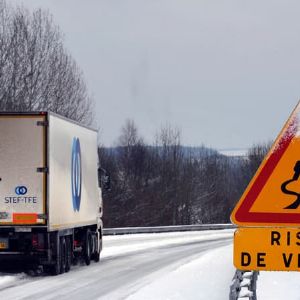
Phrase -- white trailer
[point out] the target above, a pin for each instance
(50, 199)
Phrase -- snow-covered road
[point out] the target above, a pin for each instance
(143, 266)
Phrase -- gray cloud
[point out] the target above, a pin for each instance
(225, 72)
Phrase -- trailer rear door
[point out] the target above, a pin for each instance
(22, 172)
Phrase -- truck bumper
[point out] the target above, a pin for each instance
(23, 258)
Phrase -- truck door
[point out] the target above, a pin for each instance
(22, 169)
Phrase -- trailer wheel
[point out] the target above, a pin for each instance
(56, 268)
(96, 255)
(63, 254)
(68, 254)
(87, 248)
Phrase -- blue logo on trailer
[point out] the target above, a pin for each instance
(76, 174)
(21, 190)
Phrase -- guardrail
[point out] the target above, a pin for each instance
(243, 285)
(158, 229)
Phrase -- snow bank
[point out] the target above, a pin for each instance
(278, 285)
(10, 280)
(116, 245)
(208, 277)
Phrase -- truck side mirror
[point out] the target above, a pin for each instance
(103, 179)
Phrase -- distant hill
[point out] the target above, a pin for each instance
(234, 152)
(187, 150)
(201, 151)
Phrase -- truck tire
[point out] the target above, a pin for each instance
(88, 247)
(68, 253)
(96, 255)
(56, 268)
(63, 255)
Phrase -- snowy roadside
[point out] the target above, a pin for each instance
(116, 245)
(8, 280)
(207, 277)
(278, 286)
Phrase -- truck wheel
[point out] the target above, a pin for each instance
(96, 255)
(63, 255)
(87, 248)
(68, 254)
(56, 268)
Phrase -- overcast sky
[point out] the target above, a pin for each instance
(226, 72)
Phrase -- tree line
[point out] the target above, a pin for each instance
(168, 184)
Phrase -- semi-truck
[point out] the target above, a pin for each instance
(50, 196)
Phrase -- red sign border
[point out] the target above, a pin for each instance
(243, 214)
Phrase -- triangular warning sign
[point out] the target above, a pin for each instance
(273, 195)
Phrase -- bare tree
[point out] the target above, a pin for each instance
(36, 72)
(256, 155)
(131, 151)
(170, 156)
(129, 134)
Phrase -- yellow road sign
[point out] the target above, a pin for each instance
(273, 195)
(268, 249)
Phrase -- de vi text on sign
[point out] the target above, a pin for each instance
(271, 249)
